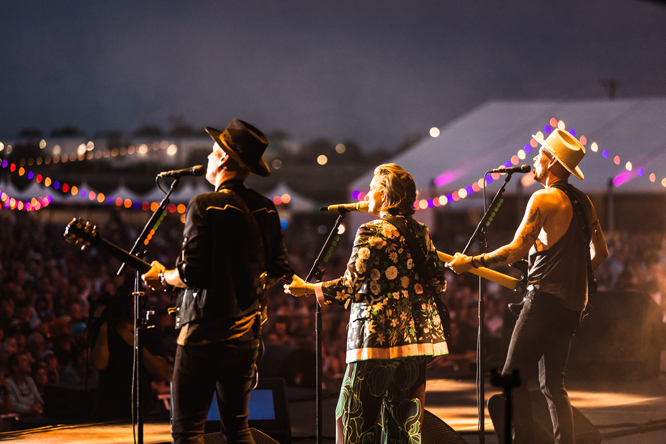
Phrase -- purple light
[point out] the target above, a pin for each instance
(30, 175)
(83, 193)
(605, 154)
(547, 129)
(572, 132)
(469, 189)
(640, 172)
(449, 198)
(110, 200)
(448, 176)
(622, 178)
(355, 194)
(489, 179)
(4, 164)
(56, 185)
(508, 164)
(136, 204)
(430, 203)
(527, 148)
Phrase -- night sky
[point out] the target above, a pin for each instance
(373, 71)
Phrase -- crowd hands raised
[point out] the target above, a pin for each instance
(47, 289)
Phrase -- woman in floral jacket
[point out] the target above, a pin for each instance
(394, 327)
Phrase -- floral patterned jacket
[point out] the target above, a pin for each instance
(391, 315)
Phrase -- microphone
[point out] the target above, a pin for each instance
(358, 206)
(516, 169)
(197, 170)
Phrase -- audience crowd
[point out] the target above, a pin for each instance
(51, 290)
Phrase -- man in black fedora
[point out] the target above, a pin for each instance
(232, 250)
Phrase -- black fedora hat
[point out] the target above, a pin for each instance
(244, 143)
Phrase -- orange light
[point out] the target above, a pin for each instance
(153, 206)
(286, 198)
(181, 208)
(128, 203)
(100, 197)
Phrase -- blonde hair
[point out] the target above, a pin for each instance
(399, 187)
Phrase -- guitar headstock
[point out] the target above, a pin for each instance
(79, 231)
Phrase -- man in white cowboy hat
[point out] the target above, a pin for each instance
(231, 237)
(562, 234)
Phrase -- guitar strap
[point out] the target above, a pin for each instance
(421, 265)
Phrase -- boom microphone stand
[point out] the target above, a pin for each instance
(480, 234)
(141, 318)
(318, 273)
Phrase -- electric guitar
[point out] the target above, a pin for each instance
(499, 278)
(84, 233)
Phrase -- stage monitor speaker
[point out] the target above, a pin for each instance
(268, 410)
(585, 431)
(436, 431)
(621, 339)
(259, 438)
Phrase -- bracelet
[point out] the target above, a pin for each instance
(163, 281)
(483, 261)
(473, 262)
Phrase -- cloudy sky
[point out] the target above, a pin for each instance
(376, 71)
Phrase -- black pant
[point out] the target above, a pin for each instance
(540, 348)
(202, 370)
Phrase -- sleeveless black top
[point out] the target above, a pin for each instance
(562, 270)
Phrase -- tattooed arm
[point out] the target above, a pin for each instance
(526, 235)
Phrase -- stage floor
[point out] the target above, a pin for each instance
(617, 409)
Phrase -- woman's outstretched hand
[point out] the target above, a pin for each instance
(298, 287)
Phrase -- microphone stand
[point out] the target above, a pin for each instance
(141, 320)
(480, 233)
(318, 273)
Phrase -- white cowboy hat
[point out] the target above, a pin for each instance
(566, 149)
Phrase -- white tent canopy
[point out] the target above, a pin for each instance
(491, 134)
(297, 204)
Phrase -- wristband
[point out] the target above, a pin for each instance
(473, 262)
(483, 260)
(163, 281)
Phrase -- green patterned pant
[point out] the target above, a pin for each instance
(381, 401)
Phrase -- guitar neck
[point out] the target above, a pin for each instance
(124, 256)
(505, 281)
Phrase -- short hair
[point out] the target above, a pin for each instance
(399, 186)
(14, 360)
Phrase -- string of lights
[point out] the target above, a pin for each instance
(527, 180)
(85, 153)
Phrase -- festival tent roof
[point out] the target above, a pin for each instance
(627, 130)
(297, 203)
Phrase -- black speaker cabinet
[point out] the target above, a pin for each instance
(585, 431)
(436, 431)
(259, 438)
(621, 339)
